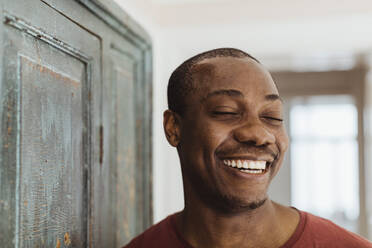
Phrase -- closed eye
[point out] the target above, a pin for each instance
(272, 118)
(224, 113)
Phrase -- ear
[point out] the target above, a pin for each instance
(172, 127)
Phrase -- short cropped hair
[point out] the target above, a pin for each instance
(181, 81)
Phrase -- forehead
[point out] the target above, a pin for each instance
(243, 74)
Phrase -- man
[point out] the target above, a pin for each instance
(225, 118)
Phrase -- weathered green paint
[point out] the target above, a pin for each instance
(75, 122)
(123, 75)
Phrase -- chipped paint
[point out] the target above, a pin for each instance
(50, 172)
(52, 72)
(67, 239)
(101, 144)
(58, 245)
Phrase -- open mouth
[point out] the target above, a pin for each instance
(248, 166)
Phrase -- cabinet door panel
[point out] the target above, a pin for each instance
(124, 138)
(51, 169)
(45, 128)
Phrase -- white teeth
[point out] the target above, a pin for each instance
(246, 164)
(252, 171)
(239, 164)
(256, 165)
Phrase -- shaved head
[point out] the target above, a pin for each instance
(181, 82)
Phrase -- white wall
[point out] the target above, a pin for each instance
(267, 30)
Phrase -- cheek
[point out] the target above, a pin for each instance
(282, 140)
(194, 140)
(201, 140)
(216, 133)
(213, 134)
(282, 143)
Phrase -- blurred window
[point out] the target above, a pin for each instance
(324, 158)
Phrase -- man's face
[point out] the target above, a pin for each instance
(233, 119)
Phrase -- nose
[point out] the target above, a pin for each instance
(254, 133)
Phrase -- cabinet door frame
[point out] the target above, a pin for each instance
(107, 14)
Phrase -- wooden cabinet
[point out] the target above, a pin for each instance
(75, 109)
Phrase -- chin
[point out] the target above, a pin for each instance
(228, 204)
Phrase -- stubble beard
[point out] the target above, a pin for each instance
(225, 203)
(229, 204)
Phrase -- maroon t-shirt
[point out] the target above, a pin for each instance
(312, 231)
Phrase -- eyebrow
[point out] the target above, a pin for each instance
(230, 92)
(237, 93)
(273, 97)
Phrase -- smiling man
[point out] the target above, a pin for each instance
(225, 119)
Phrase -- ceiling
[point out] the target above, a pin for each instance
(270, 28)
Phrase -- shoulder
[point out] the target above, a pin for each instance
(326, 233)
(158, 235)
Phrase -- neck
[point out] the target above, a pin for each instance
(204, 227)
